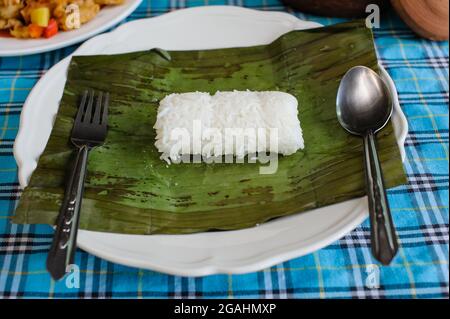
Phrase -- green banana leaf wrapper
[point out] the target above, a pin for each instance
(129, 189)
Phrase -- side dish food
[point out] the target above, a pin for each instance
(44, 18)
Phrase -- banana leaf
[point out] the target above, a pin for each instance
(129, 189)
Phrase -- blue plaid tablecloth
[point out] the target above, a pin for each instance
(344, 269)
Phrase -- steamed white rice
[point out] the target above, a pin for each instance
(270, 113)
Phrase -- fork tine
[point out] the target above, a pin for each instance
(104, 120)
(88, 114)
(81, 107)
(97, 109)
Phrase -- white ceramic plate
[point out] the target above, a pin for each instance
(204, 253)
(106, 18)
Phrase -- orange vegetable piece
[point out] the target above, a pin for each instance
(35, 31)
(51, 29)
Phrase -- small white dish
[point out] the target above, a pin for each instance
(107, 17)
(207, 253)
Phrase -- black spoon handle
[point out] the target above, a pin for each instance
(383, 238)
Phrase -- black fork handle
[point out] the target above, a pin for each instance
(63, 247)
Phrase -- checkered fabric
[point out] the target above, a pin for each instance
(341, 270)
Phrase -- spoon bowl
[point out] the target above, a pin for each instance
(363, 101)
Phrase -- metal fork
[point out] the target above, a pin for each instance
(89, 130)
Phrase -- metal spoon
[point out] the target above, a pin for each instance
(363, 108)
